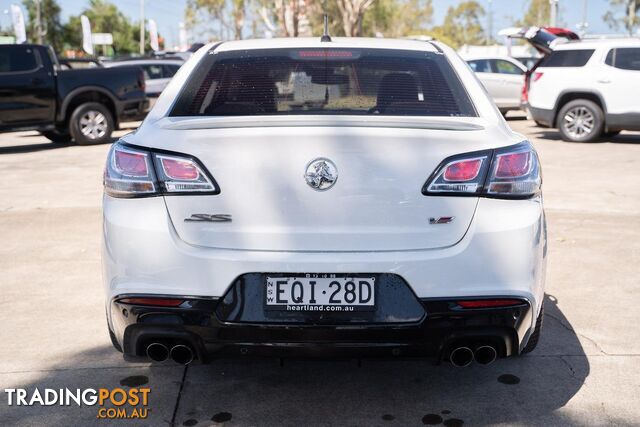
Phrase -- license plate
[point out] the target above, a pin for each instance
(332, 294)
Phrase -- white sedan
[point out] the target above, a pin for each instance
(384, 209)
(503, 77)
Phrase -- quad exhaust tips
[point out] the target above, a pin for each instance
(157, 352)
(485, 354)
(461, 357)
(181, 354)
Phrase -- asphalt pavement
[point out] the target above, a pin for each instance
(585, 371)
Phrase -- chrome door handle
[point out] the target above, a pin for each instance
(604, 81)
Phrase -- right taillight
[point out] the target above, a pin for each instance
(137, 172)
(510, 172)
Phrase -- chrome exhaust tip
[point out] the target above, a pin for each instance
(485, 354)
(157, 352)
(461, 357)
(181, 354)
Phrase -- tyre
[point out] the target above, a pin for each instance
(56, 136)
(535, 336)
(91, 123)
(580, 120)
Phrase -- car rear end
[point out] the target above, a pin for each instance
(293, 197)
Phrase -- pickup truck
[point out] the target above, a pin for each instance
(85, 105)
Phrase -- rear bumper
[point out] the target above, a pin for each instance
(443, 326)
(503, 253)
(542, 116)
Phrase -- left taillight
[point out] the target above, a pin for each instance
(510, 172)
(135, 172)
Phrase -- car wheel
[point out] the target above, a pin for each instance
(91, 123)
(580, 120)
(535, 336)
(56, 136)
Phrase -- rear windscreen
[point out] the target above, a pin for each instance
(323, 81)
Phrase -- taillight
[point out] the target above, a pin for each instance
(460, 175)
(179, 174)
(537, 76)
(135, 172)
(129, 173)
(510, 172)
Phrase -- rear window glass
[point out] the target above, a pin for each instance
(627, 58)
(324, 81)
(567, 58)
(17, 58)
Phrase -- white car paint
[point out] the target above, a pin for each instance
(619, 88)
(502, 76)
(375, 219)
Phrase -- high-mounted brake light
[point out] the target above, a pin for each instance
(134, 172)
(510, 172)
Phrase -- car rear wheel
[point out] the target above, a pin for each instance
(56, 136)
(580, 120)
(91, 123)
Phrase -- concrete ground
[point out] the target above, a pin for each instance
(586, 370)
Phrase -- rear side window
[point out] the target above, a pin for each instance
(152, 71)
(480, 65)
(324, 81)
(170, 70)
(627, 58)
(567, 58)
(505, 67)
(17, 58)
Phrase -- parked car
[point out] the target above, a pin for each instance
(157, 72)
(503, 77)
(78, 63)
(83, 105)
(586, 88)
(401, 216)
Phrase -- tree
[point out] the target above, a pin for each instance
(398, 18)
(199, 11)
(352, 12)
(50, 19)
(537, 14)
(105, 18)
(462, 25)
(629, 18)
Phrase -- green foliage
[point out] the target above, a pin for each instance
(537, 14)
(50, 18)
(398, 18)
(105, 18)
(623, 13)
(462, 25)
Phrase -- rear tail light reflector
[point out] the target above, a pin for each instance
(157, 302)
(489, 303)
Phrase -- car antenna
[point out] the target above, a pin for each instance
(325, 35)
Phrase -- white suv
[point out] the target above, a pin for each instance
(588, 89)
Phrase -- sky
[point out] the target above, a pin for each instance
(168, 13)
